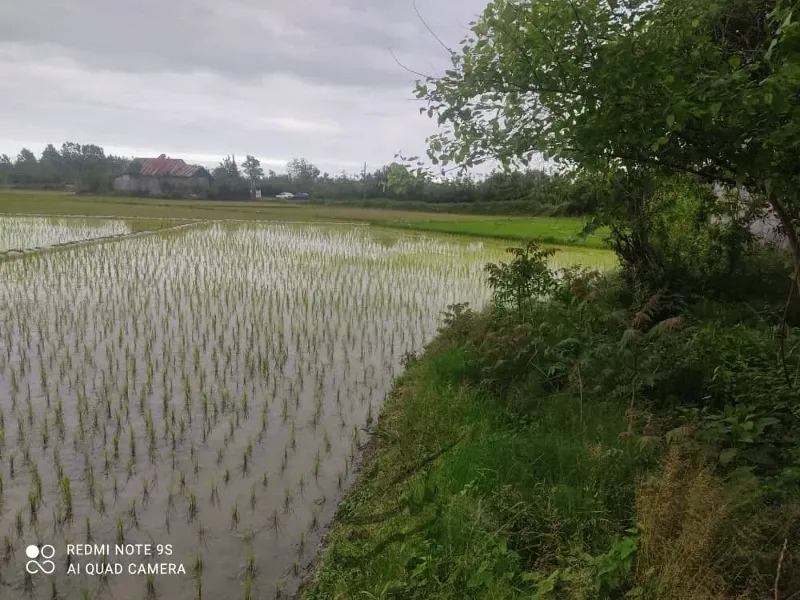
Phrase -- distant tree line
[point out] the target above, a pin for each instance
(89, 169)
(85, 166)
(528, 191)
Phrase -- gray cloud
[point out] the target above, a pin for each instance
(311, 78)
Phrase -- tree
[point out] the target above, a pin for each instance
(6, 168)
(25, 158)
(399, 180)
(93, 171)
(26, 166)
(675, 86)
(303, 173)
(50, 170)
(227, 168)
(71, 158)
(252, 170)
(50, 155)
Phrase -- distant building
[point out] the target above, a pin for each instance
(163, 176)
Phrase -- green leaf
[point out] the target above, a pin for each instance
(727, 455)
(735, 61)
(670, 120)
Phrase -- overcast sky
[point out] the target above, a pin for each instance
(198, 79)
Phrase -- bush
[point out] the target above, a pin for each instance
(682, 236)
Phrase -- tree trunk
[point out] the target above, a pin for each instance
(791, 234)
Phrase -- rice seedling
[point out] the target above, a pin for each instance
(150, 587)
(214, 499)
(192, 508)
(197, 569)
(250, 566)
(274, 520)
(133, 514)
(8, 549)
(120, 525)
(145, 492)
(245, 462)
(20, 525)
(66, 498)
(33, 507)
(248, 587)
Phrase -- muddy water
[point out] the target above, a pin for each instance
(203, 391)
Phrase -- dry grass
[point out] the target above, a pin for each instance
(705, 538)
(679, 514)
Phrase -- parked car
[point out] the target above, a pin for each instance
(301, 195)
(285, 195)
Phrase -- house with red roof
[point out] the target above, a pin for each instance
(164, 177)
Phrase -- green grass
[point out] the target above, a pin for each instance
(551, 230)
(497, 495)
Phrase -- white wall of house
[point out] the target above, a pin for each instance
(153, 186)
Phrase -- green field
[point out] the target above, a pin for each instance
(552, 230)
(555, 230)
(56, 203)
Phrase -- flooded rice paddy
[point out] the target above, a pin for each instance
(203, 391)
(24, 233)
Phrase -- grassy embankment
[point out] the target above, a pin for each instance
(555, 230)
(602, 445)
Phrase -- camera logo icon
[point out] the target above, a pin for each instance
(33, 566)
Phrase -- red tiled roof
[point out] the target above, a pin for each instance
(168, 167)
